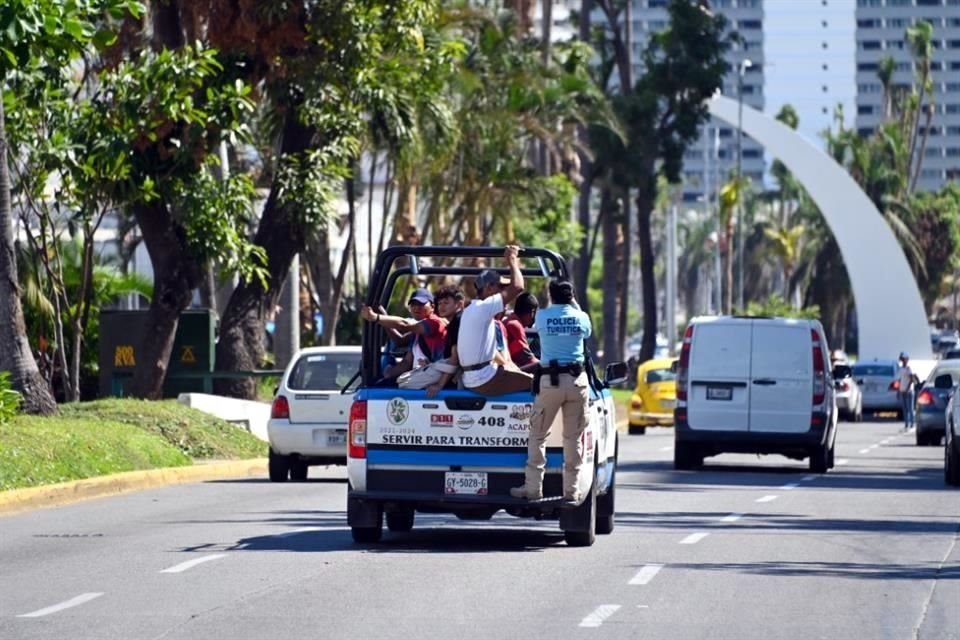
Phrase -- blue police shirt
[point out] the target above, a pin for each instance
(562, 329)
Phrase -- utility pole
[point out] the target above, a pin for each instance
(741, 69)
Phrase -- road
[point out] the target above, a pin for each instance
(746, 548)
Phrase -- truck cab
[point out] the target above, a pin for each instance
(459, 452)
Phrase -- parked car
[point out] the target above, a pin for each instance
(755, 385)
(878, 382)
(309, 418)
(931, 402)
(951, 443)
(655, 396)
(952, 354)
(849, 397)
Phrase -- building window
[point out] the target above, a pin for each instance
(953, 152)
(748, 4)
(953, 44)
(870, 45)
(929, 3)
(867, 66)
(896, 23)
(865, 132)
(752, 153)
(870, 23)
(899, 3)
(934, 131)
(726, 133)
(865, 109)
(955, 66)
(953, 22)
(932, 152)
(953, 131)
(750, 24)
(869, 3)
(936, 65)
(951, 108)
(931, 174)
(895, 44)
(656, 4)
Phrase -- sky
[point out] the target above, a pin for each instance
(796, 31)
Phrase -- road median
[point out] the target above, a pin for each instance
(62, 493)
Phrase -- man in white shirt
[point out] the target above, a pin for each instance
(905, 389)
(477, 341)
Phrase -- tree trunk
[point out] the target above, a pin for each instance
(582, 274)
(15, 354)
(728, 268)
(240, 347)
(646, 198)
(175, 275)
(624, 276)
(611, 275)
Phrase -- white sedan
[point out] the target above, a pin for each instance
(309, 417)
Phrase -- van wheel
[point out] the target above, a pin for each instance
(951, 464)
(400, 521)
(858, 414)
(367, 535)
(686, 457)
(606, 504)
(637, 429)
(820, 459)
(278, 467)
(298, 471)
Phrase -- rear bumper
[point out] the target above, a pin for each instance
(713, 442)
(930, 421)
(643, 418)
(845, 402)
(881, 401)
(306, 440)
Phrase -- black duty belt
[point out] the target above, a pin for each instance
(554, 369)
(475, 367)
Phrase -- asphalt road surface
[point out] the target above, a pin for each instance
(745, 548)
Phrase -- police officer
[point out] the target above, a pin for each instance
(560, 384)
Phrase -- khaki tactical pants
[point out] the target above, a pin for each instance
(570, 396)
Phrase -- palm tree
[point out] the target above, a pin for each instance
(786, 244)
(885, 72)
(920, 37)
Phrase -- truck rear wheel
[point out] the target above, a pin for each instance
(584, 520)
(686, 457)
(606, 504)
(298, 471)
(820, 459)
(367, 535)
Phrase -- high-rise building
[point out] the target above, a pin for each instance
(699, 171)
(881, 32)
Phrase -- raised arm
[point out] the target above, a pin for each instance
(391, 323)
(515, 288)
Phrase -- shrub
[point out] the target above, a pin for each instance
(9, 399)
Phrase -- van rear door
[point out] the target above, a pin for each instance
(719, 392)
(781, 385)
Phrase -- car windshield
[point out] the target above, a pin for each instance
(873, 370)
(324, 371)
(660, 375)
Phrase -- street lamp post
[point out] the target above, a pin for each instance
(741, 69)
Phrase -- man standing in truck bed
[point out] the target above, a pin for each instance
(477, 342)
(560, 384)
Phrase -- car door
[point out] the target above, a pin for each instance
(781, 371)
(719, 393)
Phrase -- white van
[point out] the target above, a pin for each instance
(754, 385)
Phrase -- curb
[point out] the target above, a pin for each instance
(18, 500)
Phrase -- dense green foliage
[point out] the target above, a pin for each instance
(9, 399)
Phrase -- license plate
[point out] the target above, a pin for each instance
(719, 393)
(463, 483)
(338, 438)
(668, 404)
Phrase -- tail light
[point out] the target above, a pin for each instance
(683, 366)
(280, 409)
(357, 444)
(894, 386)
(819, 370)
(925, 398)
(844, 386)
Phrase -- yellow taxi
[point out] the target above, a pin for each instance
(655, 396)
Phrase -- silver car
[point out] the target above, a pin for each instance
(877, 380)
(849, 397)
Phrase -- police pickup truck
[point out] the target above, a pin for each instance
(458, 452)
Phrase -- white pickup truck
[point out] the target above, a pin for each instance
(459, 452)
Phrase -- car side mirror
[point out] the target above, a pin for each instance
(615, 373)
(944, 381)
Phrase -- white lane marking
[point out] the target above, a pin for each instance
(646, 574)
(843, 461)
(733, 517)
(887, 441)
(808, 478)
(790, 485)
(72, 602)
(872, 447)
(601, 613)
(666, 448)
(295, 532)
(864, 450)
(189, 564)
(766, 499)
(694, 538)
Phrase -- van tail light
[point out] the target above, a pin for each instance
(280, 409)
(819, 370)
(894, 386)
(925, 398)
(357, 444)
(683, 366)
(844, 386)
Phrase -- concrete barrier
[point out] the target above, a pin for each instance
(248, 414)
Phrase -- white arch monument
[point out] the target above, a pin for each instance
(890, 312)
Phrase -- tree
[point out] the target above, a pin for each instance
(683, 66)
(36, 33)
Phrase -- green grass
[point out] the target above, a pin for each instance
(196, 434)
(622, 399)
(109, 436)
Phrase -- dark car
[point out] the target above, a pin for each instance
(932, 399)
